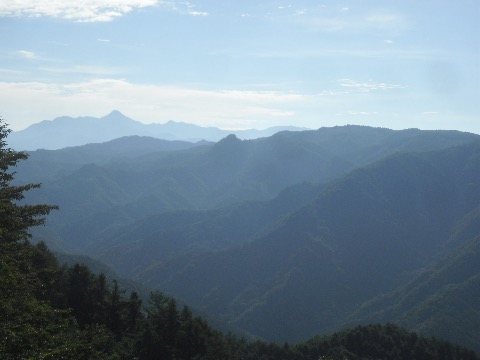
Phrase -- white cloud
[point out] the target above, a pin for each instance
(198, 13)
(184, 7)
(367, 86)
(385, 20)
(26, 54)
(80, 10)
(344, 19)
(22, 104)
(147, 103)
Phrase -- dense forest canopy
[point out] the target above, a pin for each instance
(53, 312)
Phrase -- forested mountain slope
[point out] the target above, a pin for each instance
(364, 235)
(46, 165)
(441, 300)
(161, 236)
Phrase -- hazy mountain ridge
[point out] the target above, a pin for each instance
(205, 177)
(66, 131)
(51, 164)
(188, 230)
(124, 147)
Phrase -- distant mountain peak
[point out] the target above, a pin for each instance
(115, 114)
(230, 139)
(228, 144)
(67, 131)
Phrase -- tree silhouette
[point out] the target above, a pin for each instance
(15, 218)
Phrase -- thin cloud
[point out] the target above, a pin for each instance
(82, 69)
(80, 10)
(367, 86)
(386, 53)
(358, 113)
(198, 13)
(184, 7)
(385, 20)
(11, 72)
(27, 54)
(344, 19)
(148, 103)
(221, 108)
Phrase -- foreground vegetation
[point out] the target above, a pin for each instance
(53, 312)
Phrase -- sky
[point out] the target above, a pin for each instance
(238, 64)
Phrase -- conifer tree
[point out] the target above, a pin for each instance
(15, 219)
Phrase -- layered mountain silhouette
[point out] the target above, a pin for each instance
(284, 237)
(363, 236)
(67, 131)
(97, 195)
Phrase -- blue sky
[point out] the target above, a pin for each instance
(244, 63)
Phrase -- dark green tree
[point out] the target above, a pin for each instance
(100, 291)
(16, 218)
(114, 317)
(134, 313)
(79, 293)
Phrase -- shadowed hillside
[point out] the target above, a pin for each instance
(362, 236)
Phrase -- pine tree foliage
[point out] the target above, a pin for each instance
(15, 219)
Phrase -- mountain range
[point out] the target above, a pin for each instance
(328, 228)
(66, 131)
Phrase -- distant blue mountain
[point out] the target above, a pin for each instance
(67, 131)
